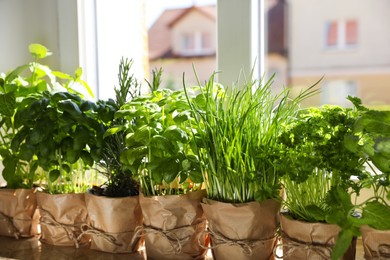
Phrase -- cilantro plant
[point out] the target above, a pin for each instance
(160, 141)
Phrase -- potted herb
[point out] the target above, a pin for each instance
(159, 148)
(238, 130)
(319, 182)
(370, 140)
(58, 134)
(114, 211)
(19, 89)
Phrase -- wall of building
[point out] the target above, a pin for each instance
(173, 70)
(193, 22)
(307, 37)
(48, 22)
(371, 88)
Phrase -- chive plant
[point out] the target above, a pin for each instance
(239, 129)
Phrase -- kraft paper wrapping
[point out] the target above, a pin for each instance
(18, 216)
(376, 243)
(174, 226)
(242, 231)
(112, 223)
(304, 240)
(62, 216)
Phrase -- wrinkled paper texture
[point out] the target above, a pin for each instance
(61, 218)
(174, 226)
(18, 212)
(116, 218)
(249, 229)
(376, 243)
(304, 240)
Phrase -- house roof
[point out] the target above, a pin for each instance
(159, 34)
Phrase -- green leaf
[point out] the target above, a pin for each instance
(114, 130)
(62, 75)
(26, 152)
(70, 107)
(176, 134)
(37, 136)
(382, 146)
(71, 156)
(143, 134)
(162, 143)
(87, 88)
(186, 164)
(15, 73)
(81, 137)
(38, 50)
(135, 154)
(88, 105)
(8, 104)
(196, 176)
(87, 158)
(65, 167)
(317, 213)
(377, 215)
(200, 101)
(182, 117)
(342, 243)
(78, 72)
(170, 176)
(54, 174)
(381, 162)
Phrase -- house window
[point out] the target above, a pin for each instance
(206, 41)
(196, 43)
(336, 92)
(188, 42)
(341, 34)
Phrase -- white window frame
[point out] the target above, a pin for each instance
(198, 47)
(240, 39)
(341, 43)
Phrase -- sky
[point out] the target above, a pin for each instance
(154, 8)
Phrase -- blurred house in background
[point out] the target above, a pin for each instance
(186, 37)
(344, 41)
(181, 38)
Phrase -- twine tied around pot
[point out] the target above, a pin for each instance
(10, 225)
(89, 230)
(48, 220)
(323, 250)
(220, 240)
(175, 241)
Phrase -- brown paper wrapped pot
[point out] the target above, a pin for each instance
(376, 243)
(174, 226)
(112, 223)
(62, 216)
(18, 216)
(304, 240)
(242, 231)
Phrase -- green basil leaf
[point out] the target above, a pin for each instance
(8, 104)
(54, 174)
